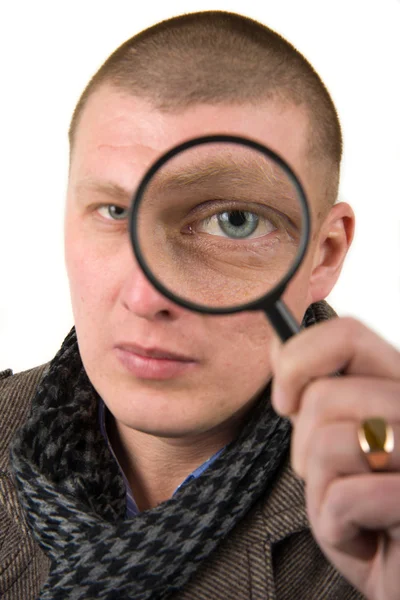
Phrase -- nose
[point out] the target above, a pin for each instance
(140, 297)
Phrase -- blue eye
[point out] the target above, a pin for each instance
(113, 212)
(236, 224)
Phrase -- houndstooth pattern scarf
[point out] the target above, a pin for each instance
(74, 496)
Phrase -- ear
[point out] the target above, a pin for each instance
(333, 242)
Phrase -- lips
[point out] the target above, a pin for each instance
(157, 353)
(153, 363)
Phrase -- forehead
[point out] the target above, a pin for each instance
(120, 135)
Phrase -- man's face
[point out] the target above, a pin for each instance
(160, 368)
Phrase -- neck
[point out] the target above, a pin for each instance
(156, 466)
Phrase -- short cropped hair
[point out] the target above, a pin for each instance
(217, 57)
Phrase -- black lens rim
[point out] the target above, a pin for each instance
(263, 301)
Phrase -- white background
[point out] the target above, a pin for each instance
(49, 50)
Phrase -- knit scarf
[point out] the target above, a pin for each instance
(74, 496)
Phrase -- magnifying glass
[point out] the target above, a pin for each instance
(220, 224)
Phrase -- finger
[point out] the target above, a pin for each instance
(335, 453)
(355, 505)
(343, 344)
(336, 399)
(358, 530)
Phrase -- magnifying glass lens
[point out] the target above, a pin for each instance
(220, 224)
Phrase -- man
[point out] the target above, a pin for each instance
(152, 464)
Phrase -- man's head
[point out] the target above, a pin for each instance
(222, 58)
(160, 368)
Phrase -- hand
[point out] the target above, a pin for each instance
(354, 513)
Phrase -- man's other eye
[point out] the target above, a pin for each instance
(113, 212)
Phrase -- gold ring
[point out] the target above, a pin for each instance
(376, 440)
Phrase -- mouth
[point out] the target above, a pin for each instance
(157, 353)
(153, 363)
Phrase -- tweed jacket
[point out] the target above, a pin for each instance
(270, 555)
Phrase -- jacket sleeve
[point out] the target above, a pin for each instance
(23, 566)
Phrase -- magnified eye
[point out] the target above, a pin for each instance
(236, 224)
(113, 212)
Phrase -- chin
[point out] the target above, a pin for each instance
(158, 412)
(172, 427)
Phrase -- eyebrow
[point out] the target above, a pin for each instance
(203, 171)
(242, 174)
(107, 188)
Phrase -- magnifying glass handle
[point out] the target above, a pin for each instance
(282, 320)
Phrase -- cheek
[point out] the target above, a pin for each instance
(242, 366)
(91, 273)
(244, 340)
